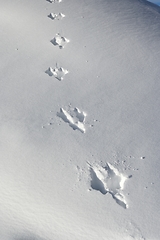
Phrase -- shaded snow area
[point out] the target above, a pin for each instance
(79, 120)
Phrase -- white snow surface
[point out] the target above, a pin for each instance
(112, 57)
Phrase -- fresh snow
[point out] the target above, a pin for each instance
(79, 157)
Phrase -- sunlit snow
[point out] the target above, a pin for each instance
(79, 120)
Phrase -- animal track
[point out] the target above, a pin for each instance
(109, 180)
(56, 16)
(59, 73)
(54, 1)
(60, 41)
(74, 117)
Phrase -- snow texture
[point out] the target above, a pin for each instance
(110, 96)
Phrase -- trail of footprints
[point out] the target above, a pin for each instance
(74, 117)
(103, 179)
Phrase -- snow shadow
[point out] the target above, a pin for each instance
(96, 183)
(28, 237)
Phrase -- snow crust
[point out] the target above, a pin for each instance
(100, 181)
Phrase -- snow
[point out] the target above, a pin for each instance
(109, 180)
(75, 118)
(155, 2)
(79, 157)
